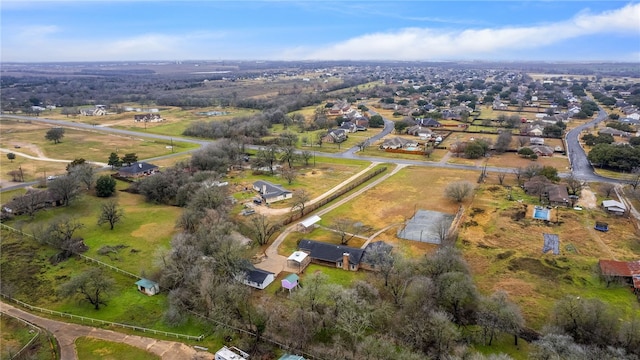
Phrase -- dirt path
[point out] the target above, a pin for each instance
(587, 199)
(277, 263)
(67, 333)
(41, 157)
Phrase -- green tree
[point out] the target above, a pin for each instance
(75, 162)
(376, 121)
(93, 286)
(11, 156)
(55, 135)
(114, 160)
(105, 186)
(474, 149)
(110, 213)
(129, 158)
(525, 152)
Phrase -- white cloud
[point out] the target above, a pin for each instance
(428, 43)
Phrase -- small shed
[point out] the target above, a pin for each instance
(298, 260)
(290, 282)
(308, 223)
(258, 278)
(614, 207)
(148, 287)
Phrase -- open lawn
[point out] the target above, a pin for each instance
(92, 348)
(503, 249)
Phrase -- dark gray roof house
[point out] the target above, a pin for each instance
(258, 278)
(271, 192)
(137, 169)
(340, 256)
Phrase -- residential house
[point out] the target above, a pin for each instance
(542, 150)
(147, 118)
(536, 141)
(270, 192)
(614, 132)
(614, 207)
(99, 110)
(137, 170)
(535, 130)
(428, 122)
(257, 278)
(339, 256)
(419, 131)
(349, 126)
(398, 143)
(556, 194)
(335, 136)
(31, 201)
(148, 287)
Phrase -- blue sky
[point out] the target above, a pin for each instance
(66, 30)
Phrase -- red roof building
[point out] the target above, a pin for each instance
(625, 269)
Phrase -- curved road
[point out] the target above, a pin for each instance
(67, 333)
(580, 166)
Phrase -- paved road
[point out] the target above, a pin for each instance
(580, 166)
(67, 333)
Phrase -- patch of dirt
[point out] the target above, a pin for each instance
(534, 267)
(587, 199)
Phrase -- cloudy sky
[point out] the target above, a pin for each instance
(40, 31)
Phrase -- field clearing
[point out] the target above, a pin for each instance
(396, 199)
(505, 254)
(96, 146)
(92, 348)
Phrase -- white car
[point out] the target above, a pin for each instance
(51, 177)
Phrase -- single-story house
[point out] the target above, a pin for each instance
(428, 122)
(557, 194)
(137, 169)
(542, 150)
(32, 200)
(398, 143)
(335, 136)
(148, 287)
(290, 282)
(536, 141)
(271, 192)
(339, 256)
(147, 118)
(614, 207)
(627, 270)
(99, 110)
(258, 278)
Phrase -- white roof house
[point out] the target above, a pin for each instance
(614, 206)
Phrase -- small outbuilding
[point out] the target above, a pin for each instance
(298, 260)
(148, 287)
(614, 207)
(290, 282)
(307, 224)
(258, 278)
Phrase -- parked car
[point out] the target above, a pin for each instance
(257, 201)
(51, 177)
(248, 212)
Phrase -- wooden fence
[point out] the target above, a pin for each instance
(33, 339)
(102, 322)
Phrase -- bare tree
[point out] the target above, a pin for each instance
(300, 199)
(30, 202)
(16, 175)
(518, 173)
(92, 285)
(498, 314)
(574, 185)
(531, 171)
(64, 188)
(346, 228)
(459, 190)
(635, 180)
(501, 176)
(306, 155)
(503, 142)
(59, 234)
(607, 189)
(522, 140)
(84, 173)
(110, 213)
(441, 228)
(263, 229)
(289, 173)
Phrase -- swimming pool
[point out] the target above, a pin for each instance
(411, 148)
(541, 213)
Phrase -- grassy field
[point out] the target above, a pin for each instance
(14, 335)
(505, 254)
(92, 348)
(28, 138)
